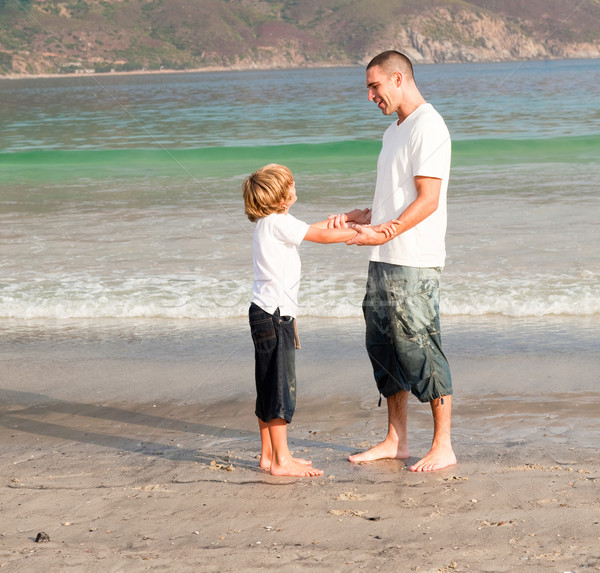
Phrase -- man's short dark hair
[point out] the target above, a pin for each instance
(392, 61)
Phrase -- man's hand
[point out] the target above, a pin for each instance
(360, 216)
(366, 236)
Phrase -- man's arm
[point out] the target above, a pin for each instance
(426, 203)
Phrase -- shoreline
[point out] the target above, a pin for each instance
(212, 69)
(207, 69)
(132, 442)
(213, 358)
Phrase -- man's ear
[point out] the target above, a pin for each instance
(397, 79)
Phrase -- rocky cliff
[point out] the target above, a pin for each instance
(49, 36)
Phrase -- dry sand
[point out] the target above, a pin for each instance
(137, 454)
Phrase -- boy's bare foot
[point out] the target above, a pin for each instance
(266, 463)
(295, 469)
(436, 459)
(382, 451)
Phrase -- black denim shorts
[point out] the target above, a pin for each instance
(403, 337)
(275, 364)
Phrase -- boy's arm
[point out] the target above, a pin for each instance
(319, 233)
(320, 224)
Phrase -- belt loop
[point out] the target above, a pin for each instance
(296, 336)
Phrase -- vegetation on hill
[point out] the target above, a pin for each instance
(59, 36)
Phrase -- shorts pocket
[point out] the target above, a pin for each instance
(263, 332)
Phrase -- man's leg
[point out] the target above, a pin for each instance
(395, 444)
(441, 454)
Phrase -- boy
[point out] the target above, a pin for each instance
(268, 195)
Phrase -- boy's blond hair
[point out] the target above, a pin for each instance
(266, 189)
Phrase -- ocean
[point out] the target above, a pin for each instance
(120, 196)
(127, 366)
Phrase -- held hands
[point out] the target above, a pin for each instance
(359, 220)
(389, 229)
(360, 216)
(366, 235)
(337, 221)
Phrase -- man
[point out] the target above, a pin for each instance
(406, 231)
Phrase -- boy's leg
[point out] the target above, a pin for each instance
(282, 462)
(274, 341)
(266, 448)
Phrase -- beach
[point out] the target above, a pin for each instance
(134, 451)
(127, 428)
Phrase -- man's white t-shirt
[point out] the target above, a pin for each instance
(276, 261)
(419, 146)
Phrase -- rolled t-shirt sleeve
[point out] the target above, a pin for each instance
(431, 156)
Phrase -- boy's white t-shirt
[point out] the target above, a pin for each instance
(276, 261)
(419, 146)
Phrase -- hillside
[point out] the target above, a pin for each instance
(52, 37)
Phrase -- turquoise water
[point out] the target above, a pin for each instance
(40, 165)
(120, 195)
(231, 109)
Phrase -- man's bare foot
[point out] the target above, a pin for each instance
(384, 450)
(436, 459)
(265, 464)
(295, 469)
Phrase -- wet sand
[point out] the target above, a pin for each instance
(135, 449)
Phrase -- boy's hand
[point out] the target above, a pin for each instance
(389, 229)
(337, 221)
